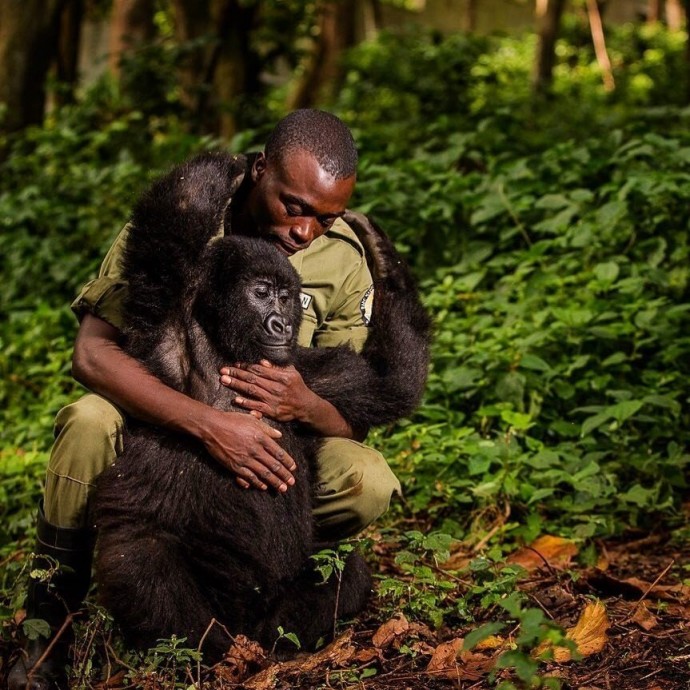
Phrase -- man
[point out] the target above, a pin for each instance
(293, 195)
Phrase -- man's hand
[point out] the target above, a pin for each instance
(276, 392)
(280, 393)
(247, 447)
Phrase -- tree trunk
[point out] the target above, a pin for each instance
(599, 40)
(192, 24)
(470, 23)
(131, 26)
(67, 57)
(674, 15)
(655, 9)
(686, 4)
(322, 73)
(233, 67)
(28, 44)
(221, 68)
(549, 14)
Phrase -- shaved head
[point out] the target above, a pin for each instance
(319, 133)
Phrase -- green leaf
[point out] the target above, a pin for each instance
(35, 628)
(624, 410)
(607, 272)
(592, 423)
(518, 420)
(534, 363)
(640, 496)
(294, 639)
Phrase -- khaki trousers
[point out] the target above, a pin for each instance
(355, 482)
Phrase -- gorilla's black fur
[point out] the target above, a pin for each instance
(179, 542)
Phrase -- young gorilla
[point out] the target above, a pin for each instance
(179, 542)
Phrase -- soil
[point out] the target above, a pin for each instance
(628, 615)
(644, 644)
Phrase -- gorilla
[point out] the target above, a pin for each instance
(179, 542)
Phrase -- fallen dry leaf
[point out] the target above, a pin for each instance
(364, 656)
(445, 656)
(336, 655)
(644, 617)
(450, 661)
(244, 657)
(395, 628)
(556, 551)
(421, 647)
(589, 634)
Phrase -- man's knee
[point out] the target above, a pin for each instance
(88, 438)
(355, 487)
(91, 428)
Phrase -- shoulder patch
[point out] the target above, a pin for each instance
(305, 299)
(366, 305)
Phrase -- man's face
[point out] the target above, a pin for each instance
(294, 201)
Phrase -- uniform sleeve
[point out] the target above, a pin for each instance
(104, 296)
(346, 322)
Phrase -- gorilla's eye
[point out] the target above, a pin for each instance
(261, 291)
(284, 296)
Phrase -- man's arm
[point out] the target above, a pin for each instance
(240, 442)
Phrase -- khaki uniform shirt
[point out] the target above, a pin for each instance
(336, 289)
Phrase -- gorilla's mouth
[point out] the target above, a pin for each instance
(273, 345)
(278, 353)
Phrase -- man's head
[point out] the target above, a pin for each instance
(303, 181)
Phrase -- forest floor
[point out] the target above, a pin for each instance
(641, 625)
(629, 617)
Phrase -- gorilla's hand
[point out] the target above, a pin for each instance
(247, 447)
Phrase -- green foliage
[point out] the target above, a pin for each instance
(551, 243)
(329, 562)
(289, 636)
(561, 344)
(555, 262)
(422, 591)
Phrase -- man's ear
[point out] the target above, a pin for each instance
(258, 167)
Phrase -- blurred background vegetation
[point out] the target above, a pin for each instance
(531, 160)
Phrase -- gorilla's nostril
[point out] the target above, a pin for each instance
(277, 326)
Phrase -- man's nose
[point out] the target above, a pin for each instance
(303, 230)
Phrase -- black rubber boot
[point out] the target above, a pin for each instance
(52, 602)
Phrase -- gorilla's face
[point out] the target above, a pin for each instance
(294, 201)
(271, 301)
(249, 301)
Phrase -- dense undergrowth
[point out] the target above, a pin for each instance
(551, 242)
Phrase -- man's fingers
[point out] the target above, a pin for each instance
(262, 470)
(253, 373)
(255, 388)
(275, 452)
(250, 476)
(248, 404)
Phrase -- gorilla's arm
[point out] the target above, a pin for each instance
(386, 381)
(172, 223)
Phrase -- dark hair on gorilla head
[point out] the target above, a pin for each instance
(323, 135)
